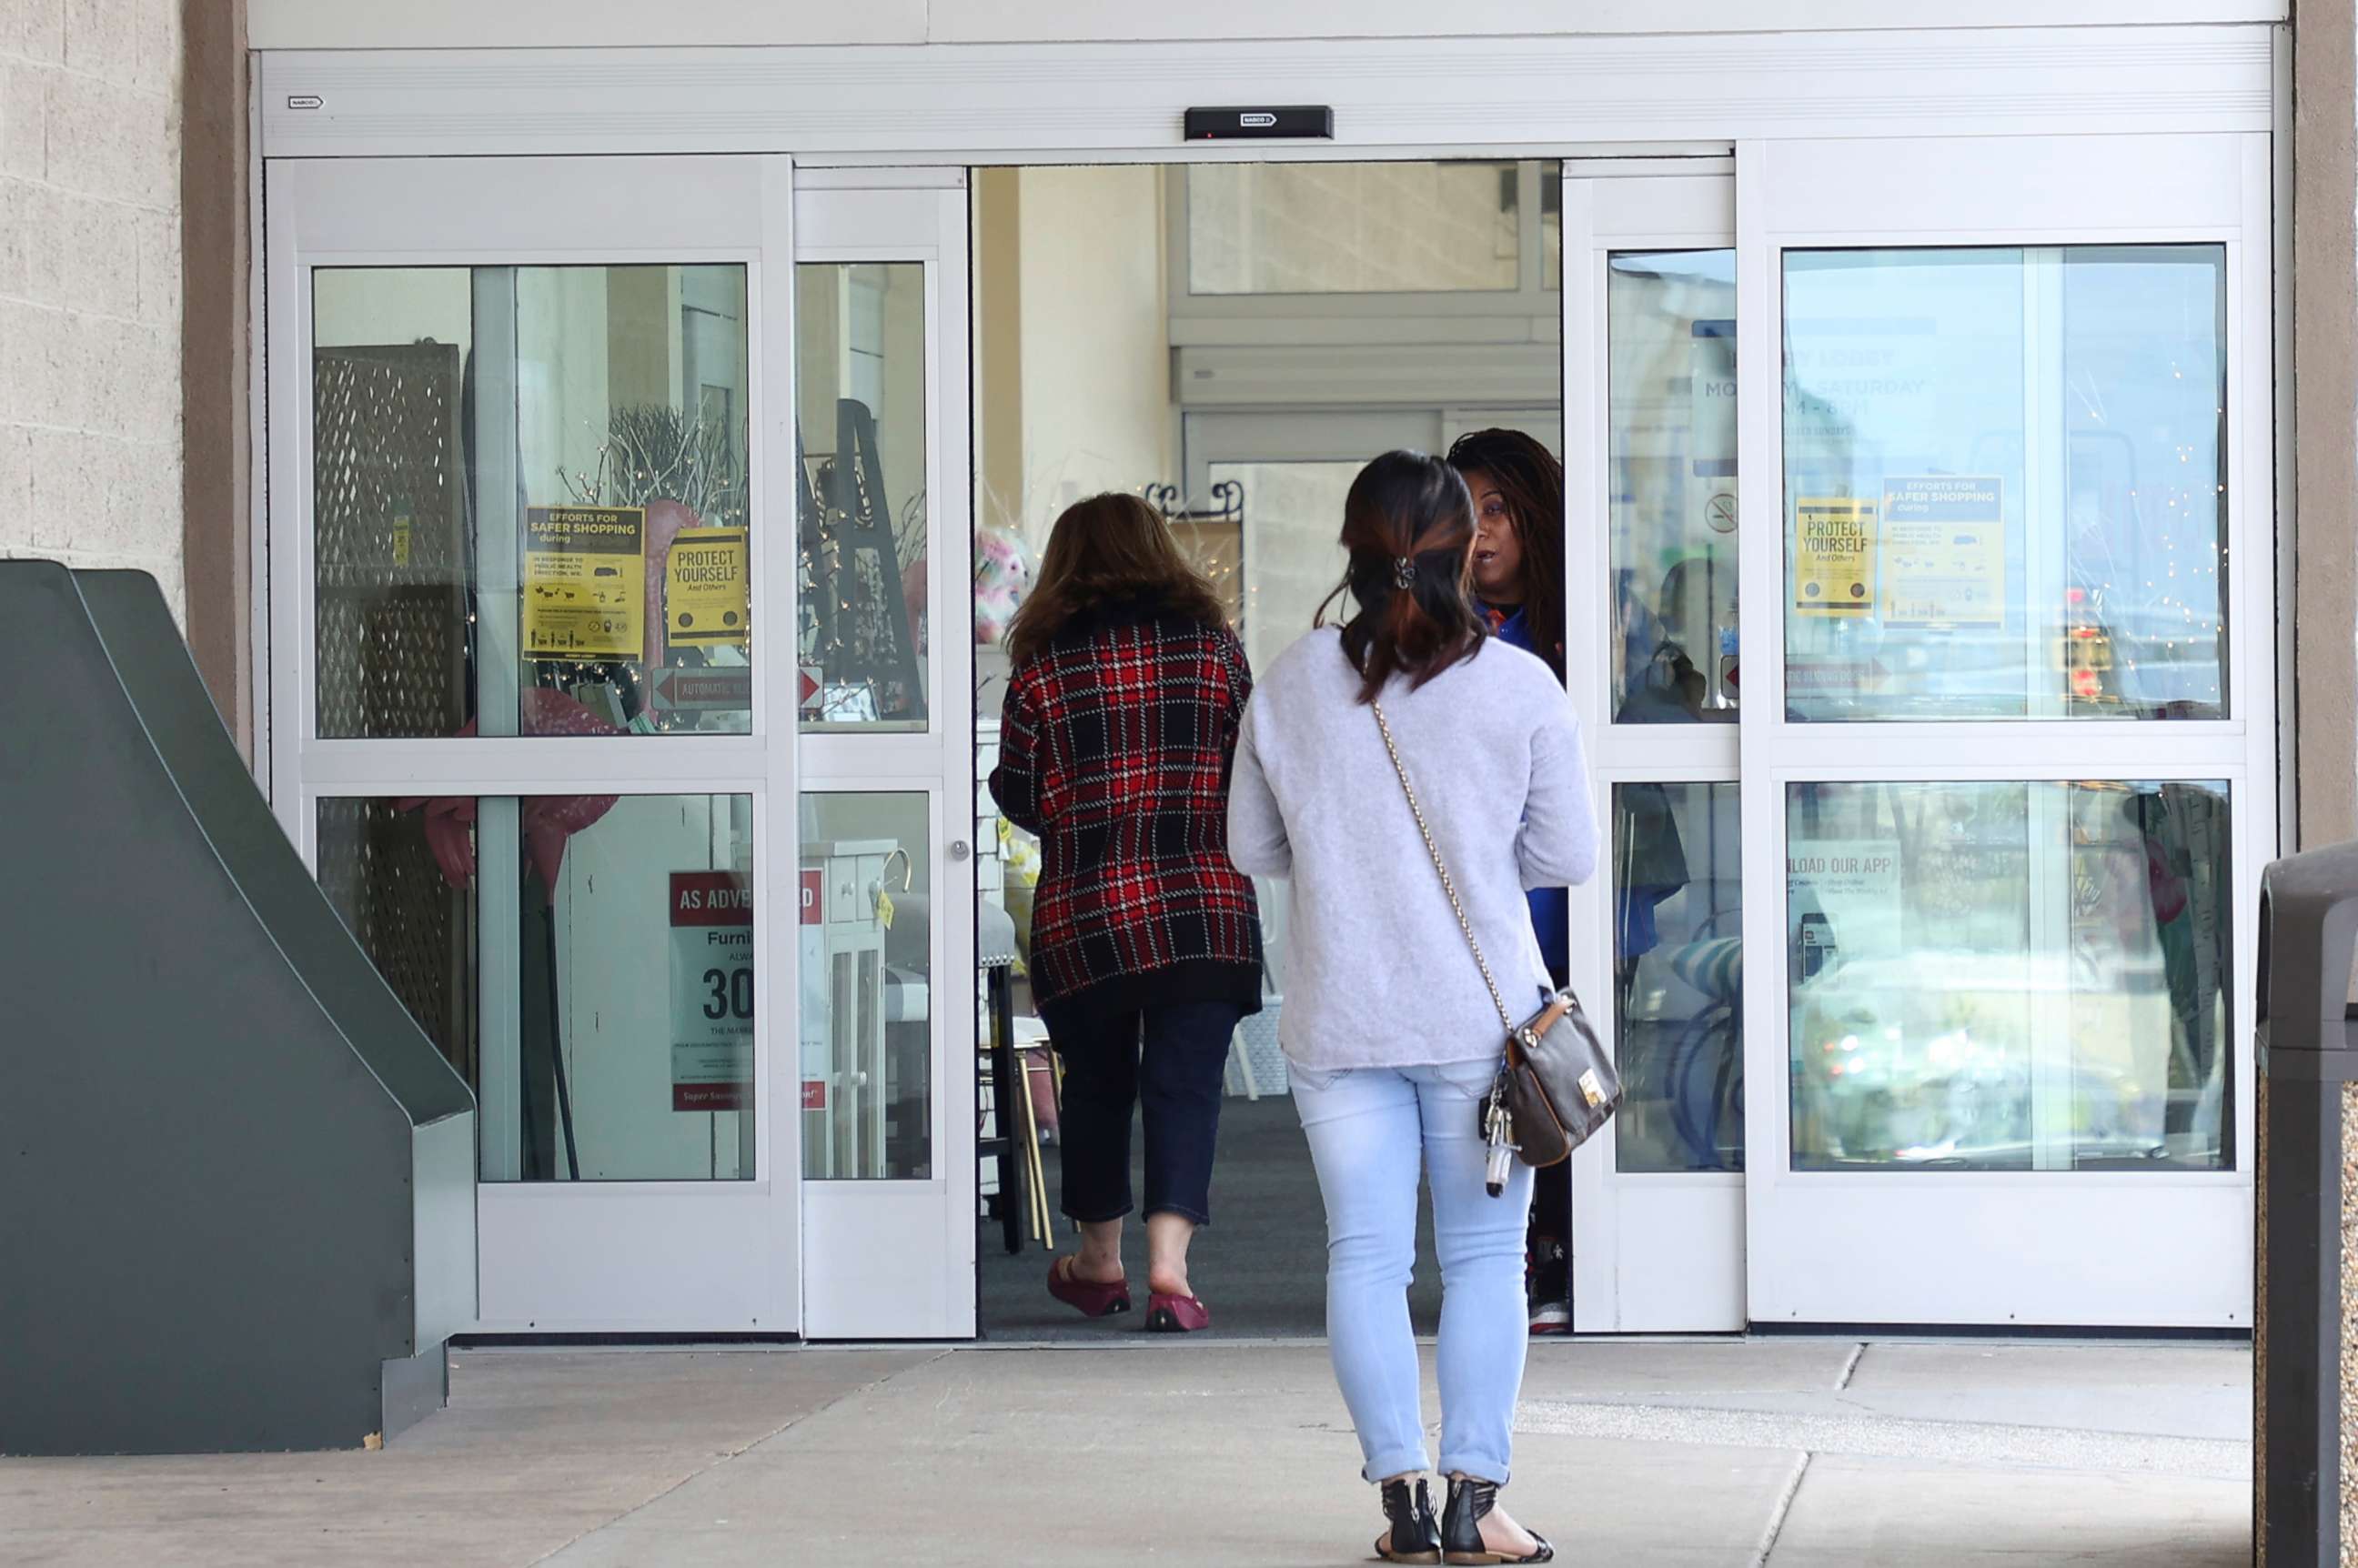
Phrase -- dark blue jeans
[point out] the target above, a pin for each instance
(1165, 1060)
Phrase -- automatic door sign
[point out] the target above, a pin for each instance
(584, 582)
(1943, 551)
(1834, 555)
(706, 600)
(711, 990)
(726, 689)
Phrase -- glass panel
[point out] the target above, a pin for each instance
(2028, 977)
(859, 364)
(2005, 482)
(586, 960)
(867, 1004)
(530, 501)
(1353, 228)
(1293, 555)
(1671, 337)
(1677, 975)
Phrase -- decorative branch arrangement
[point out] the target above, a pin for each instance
(653, 451)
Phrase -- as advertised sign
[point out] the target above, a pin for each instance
(584, 582)
(707, 597)
(1833, 554)
(711, 990)
(1943, 551)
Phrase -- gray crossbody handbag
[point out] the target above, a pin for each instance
(1556, 1084)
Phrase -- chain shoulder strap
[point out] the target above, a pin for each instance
(1448, 885)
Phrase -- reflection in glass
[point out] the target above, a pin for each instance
(1551, 226)
(860, 359)
(531, 479)
(2009, 975)
(2005, 483)
(587, 960)
(865, 930)
(1353, 228)
(1670, 336)
(1679, 976)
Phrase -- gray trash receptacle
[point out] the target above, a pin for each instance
(2306, 1283)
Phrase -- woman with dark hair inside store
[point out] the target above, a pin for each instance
(1116, 742)
(1373, 754)
(1518, 490)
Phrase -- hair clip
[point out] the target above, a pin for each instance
(1404, 573)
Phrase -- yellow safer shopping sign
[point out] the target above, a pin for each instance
(707, 598)
(1833, 554)
(584, 582)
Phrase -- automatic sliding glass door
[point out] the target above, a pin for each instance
(2008, 732)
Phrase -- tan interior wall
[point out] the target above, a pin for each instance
(1096, 342)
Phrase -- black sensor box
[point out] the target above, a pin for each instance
(1300, 122)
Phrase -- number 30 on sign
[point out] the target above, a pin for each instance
(711, 990)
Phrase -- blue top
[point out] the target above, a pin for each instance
(1550, 908)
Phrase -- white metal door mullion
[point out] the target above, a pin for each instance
(950, 623)
(2256, 829)
(1630, 1228)
(1762, 742)
(1596, 1238)
(777, 849)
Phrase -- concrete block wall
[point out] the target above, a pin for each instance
(90, 285)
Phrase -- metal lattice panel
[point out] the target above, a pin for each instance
(376, 868)
(389, 541)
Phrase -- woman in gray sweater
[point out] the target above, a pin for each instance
(1388, 1026)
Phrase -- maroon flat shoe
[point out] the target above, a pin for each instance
(1085, 1296)
(1176, 1314)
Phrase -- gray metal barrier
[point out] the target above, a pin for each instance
(236, 1180)
(2305, 1285)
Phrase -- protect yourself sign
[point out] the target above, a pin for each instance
(711, 990)
(1834, 555)
(707, 589)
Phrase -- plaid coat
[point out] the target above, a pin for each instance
(1115, 747)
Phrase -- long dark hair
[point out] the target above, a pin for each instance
(1407, 523)
(1109, 549)
(1530, 482)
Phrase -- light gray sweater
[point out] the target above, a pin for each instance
(1377, 974)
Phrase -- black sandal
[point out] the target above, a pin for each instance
(1461, 1525)
(1415, 1534)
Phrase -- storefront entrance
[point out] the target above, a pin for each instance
(1957, 434)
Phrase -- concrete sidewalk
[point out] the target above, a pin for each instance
(1794, 1453)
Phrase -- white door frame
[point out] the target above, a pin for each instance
(2097, 1247)
(1652, 1252)
(895, 1259)
(629, 1256)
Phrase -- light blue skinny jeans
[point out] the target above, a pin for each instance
(1372, 1132)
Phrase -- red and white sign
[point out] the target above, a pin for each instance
(711, 990)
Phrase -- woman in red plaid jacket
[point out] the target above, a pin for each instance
(1115, 747)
